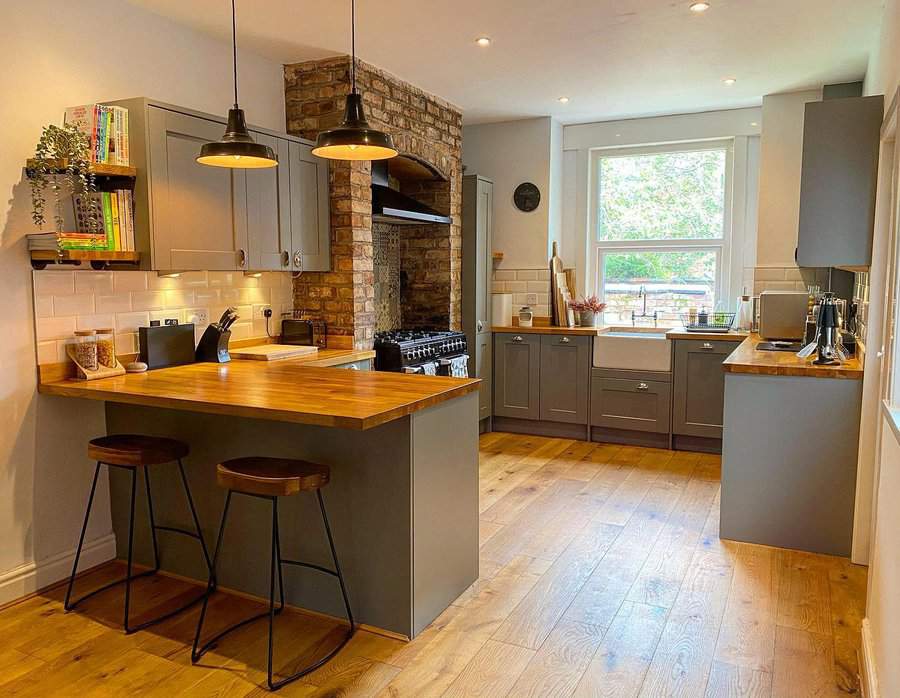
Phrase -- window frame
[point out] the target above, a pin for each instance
(720, 246)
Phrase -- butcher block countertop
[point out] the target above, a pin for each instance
(730, 336)
(747, 359)
(291, 390)
(549, 329)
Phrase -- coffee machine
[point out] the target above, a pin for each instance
(827, 343)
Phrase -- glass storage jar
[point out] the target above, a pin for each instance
(84, 349)
(106, 347)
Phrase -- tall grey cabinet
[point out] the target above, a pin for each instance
(477, 219)
(191, 216)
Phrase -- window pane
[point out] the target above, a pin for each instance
(662, 196)
(674, 282)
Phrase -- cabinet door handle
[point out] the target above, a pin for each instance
(479, 326)
(564, 340)
(707, 346)
(643, 386)
(285, 258)
(242, 258)
(298, 260)
(517, 338)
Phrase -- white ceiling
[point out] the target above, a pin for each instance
(612, 58)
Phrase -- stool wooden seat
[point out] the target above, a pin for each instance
(134, 453)
(272, 477)
(136, 450)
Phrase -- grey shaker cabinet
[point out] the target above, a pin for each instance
(269, 210)
(841, 140)
(198, 213)
(310, 213)
(699, 385)
(630, 400)
(191, 216)
(477, 219)
(565, 378)
(517, 375)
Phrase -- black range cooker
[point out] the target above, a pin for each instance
(432, 352)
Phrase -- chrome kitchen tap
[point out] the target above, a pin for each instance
(642, 294)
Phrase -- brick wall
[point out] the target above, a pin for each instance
(424, 127)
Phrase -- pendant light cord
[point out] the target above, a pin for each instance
(234, 49)
(353, 46)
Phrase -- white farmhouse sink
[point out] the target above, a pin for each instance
(633, 349)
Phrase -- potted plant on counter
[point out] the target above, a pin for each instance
(589, 310)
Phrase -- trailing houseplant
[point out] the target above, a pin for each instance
(67, 147)
(589, 309)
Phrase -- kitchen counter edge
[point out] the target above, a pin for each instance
(747, 359)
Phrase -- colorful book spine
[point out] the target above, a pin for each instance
(107, 129)
(107, 221)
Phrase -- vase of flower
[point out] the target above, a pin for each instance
(589, 310)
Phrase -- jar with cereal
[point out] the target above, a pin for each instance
(84, 349)
(106, 347)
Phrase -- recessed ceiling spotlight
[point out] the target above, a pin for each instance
(483, 41)
(729, 81)
(699, 7)
(754, 123)
(563, 100)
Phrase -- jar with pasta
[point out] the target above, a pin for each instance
(84, 349)
(106, 347)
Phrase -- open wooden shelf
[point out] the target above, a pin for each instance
(98, 259)
(99, 170)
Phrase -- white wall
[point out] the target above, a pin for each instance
(779, 177)
(509, 153)
(49, 62)
(580, 140)
(881, 634)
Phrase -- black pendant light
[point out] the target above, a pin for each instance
(354, 139)
(237, 149)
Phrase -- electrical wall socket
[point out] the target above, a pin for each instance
(198, 316)
(259, 311)
(531, 298)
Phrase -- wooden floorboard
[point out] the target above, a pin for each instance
(601, 574)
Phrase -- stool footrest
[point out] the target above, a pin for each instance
(300, 563)
(182, 531)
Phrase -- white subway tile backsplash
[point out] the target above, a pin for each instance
(43, 306)
(543, 275)
(53, 282)
(148, 300)
(179, 298)
(538, 287)
(118, 303)
(129, 322)
(516, 286)
(129, 281)
(77, 304)
(54, 327)
(94, 282)
(498, 287)
(66, 300)
(526, 275)
(769, 274)
(505, 275)
(95, 322)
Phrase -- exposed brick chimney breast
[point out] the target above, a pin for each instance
(424, 127)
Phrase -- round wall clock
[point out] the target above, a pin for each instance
(527, 197)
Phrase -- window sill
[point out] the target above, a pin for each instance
(892, 417)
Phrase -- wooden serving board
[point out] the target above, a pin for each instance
(272, 352)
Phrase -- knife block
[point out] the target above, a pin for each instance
(213, 346)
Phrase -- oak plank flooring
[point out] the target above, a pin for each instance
(601, 574)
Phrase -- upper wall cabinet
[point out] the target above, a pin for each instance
(191, 216)
(838, 180)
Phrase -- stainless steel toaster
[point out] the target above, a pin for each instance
(782, 314)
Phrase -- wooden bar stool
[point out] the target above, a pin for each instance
(271, 478)
(132, 452)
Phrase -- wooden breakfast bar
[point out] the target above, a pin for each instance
(403, 498)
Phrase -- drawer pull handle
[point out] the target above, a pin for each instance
(517, 338)
(564, 340)
(242, 258)
(643, 386)
(707, 345)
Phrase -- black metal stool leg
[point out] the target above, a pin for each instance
(152, 519)
(190, 499)
(337, 566)
(87, 515)
(196, 651)
(128, 630)
(275, 559)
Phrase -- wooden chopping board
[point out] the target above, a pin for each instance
(272, 352)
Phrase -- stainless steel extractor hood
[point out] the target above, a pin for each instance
(390, 206)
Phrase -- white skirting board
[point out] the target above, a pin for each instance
(867, 676)
(32, 576)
